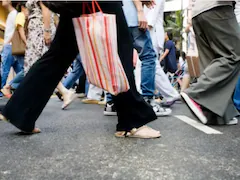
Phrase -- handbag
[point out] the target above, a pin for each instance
(18, 45)
(97, 42)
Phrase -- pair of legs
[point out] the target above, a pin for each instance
(162, 83)
(218, 40)
(75, 74)
(31, 97)
(94, 93)
(8, 61)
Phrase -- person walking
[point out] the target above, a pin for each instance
(218, 40)
(169, 55)
(24, 107)
(8, 60)
(155, 18)
(142, 42)
(41, 31)
(20, 24)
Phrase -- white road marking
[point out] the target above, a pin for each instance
(198, 125)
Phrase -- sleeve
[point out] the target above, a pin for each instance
(20, 20)
(168, 45)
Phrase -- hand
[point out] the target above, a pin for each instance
(150, 3)
(47, 38)
(142, 21)
(160, 59)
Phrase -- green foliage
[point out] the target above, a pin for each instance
(174, 23)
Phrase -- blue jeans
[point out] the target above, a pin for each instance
(109, 97)
(236, 97)
(75, 74)
(17, 80)
(8, 61)
(143, 44)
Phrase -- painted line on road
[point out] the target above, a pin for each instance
(198, 125)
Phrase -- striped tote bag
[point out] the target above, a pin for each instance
(97, 42)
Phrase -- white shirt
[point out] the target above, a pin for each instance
(155, 18)
(10, 26)
(200, 6)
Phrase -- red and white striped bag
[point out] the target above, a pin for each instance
(97, 42)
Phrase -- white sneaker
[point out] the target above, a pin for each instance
(110, 110)
(159, 111)
(234, 121)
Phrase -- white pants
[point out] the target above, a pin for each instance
(94, 93)
(163, 85)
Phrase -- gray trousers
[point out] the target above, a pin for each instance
(218, 40)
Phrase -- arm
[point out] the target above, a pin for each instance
(142, 21)
(46, 20)
(187, 29)
(164, 55)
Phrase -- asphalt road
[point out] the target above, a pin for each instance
(79, 144)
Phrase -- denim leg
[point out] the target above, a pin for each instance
(109, 97)
(143, 44)
(86, 87)
(18, 64)
(7, 61)
(17, 80)
(75, 74)
(236, 97)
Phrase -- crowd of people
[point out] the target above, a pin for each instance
(51, 63)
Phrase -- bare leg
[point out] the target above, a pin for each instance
(185, 82)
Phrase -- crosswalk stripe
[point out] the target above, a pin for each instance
(198, 125)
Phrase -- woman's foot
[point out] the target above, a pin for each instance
(68, 98)
(7, 91)
(34, 131)
(143, 132)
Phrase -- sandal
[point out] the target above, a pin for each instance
(68, 100)
(143, 132)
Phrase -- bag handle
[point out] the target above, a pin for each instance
(93, 10)
(93, 6)
(84, 8)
